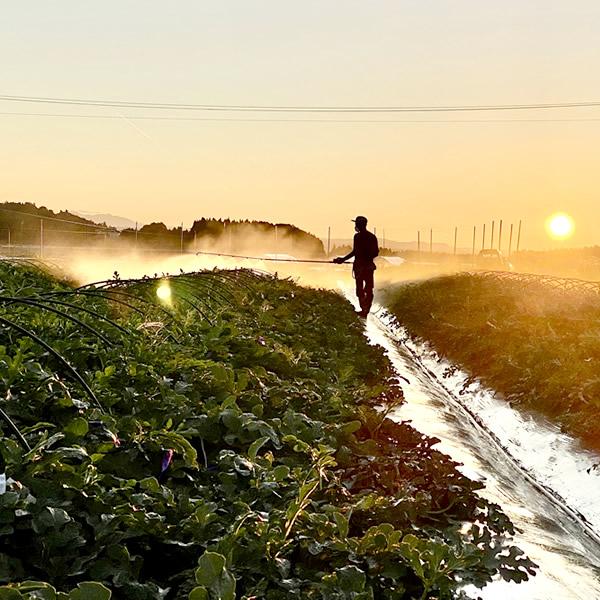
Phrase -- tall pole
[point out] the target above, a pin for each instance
(41, 238)
(500, 237)
(419, 242)
(9, 238)
(328, 241)
(431, 241)
(483, 240)
(474, 234)
(510, 240)
(181, 240)
(519, 237)
(455, 238)
(492, 240)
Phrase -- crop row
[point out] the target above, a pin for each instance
(218, 436)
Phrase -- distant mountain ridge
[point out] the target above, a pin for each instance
(115, 221)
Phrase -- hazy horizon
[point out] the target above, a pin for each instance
(406, 173)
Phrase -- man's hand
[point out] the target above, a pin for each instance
(338, 261)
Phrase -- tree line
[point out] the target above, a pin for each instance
(20, 224)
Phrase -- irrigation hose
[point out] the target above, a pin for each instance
(293, 260)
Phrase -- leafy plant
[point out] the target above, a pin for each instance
(235, 451)
(538, 347)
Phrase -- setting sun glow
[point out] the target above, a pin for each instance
(560, 226)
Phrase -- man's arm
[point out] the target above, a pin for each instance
(341, 259)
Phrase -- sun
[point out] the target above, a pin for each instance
(560, 226)
(163, 291)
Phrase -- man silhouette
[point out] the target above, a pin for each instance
(365, 249)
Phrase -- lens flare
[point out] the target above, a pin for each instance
(163, 291)
(560, 226)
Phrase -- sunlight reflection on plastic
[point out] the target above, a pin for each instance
(163, 291)
(560, 226)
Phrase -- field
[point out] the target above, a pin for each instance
(537, 346)
(219, 435)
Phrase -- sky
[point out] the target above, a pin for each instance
(405, 173)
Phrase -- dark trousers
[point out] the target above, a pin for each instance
(364, 286)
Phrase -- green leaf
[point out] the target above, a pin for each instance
(10, 594)
(210, 567)
(212, 574)
(43, 590)
(78, 427)
(342, 524)
(90, 590)
(351, 579)
(199, 593)
(256, 446)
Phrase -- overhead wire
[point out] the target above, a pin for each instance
(294, 120)
(296, 108)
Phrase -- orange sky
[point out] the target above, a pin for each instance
(403, 175)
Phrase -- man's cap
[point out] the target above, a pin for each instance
(360, 220)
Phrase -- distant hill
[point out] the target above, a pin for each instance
(28, 224)
(117, 222)
(22, 221)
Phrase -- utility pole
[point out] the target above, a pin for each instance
(431, 241)
(455, 238)
(474, 234)
(519, 237)
(500, 237)
(419, 242)
(492, 240)
(328, 240)
(483, 240)
(41, 238)
(510, 240)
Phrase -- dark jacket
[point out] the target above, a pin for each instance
(365, 250)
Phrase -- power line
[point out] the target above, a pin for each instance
(298, 108)
(293, 120)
